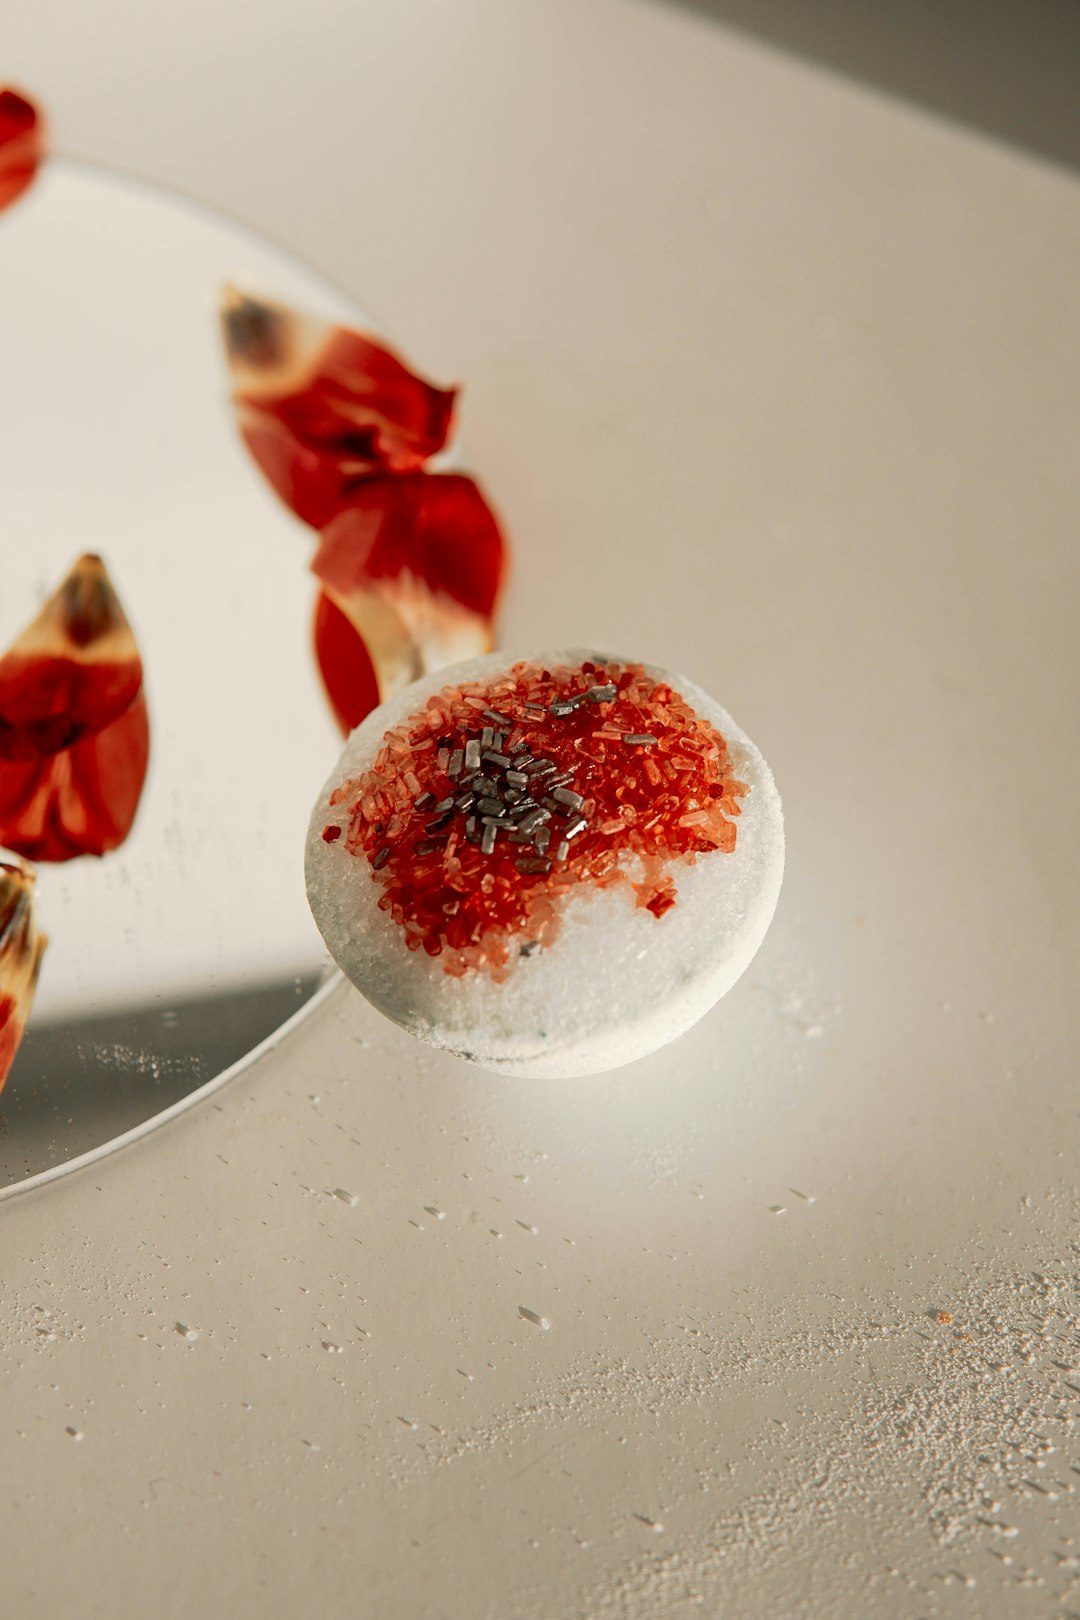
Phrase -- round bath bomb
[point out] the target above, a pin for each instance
(549, 865)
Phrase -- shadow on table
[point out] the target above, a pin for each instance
(1008, 67)
(81, 1082)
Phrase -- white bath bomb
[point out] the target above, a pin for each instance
(589, 978)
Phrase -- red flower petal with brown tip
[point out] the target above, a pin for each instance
(21, 144)
(72, 672)
(74, 734)
(21, 950)
(414, 564)
(322, 407)
(73, 669)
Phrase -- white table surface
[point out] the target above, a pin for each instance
(777, 381)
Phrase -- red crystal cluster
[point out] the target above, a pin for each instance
(653, 779)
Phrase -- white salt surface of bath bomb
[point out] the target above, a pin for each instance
(617, 982)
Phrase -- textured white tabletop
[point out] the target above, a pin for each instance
(776, 381)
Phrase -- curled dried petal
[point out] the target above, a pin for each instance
(345, 665)
(21, 144)
(21, 950)
(435, 526)
(414, 564)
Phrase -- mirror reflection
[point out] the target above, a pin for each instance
(187, 943)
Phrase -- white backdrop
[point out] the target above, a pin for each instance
(776, 381)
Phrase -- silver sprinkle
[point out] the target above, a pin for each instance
(563, 851)
(518, 746)
(563, 779)
(535, 708)
(560, 709)
(496, 718)
(533, 864)
(534, 819)
(541, 767)
(466, 801)
(380, 858)
(567, 797)
(491, 807)
(444, 804)
(457, 759)
(517, 779)
(576, 826)
(542, 839)
(487, 842)
(642, 738)
(422, 802)
(531, 947)
(601, 694)
(494, 758)
(472, 755)
(485, 736)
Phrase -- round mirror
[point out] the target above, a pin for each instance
(173, 956)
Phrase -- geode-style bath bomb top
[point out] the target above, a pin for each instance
(549, 865)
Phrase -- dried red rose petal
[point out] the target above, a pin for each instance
(323, 407)
(21, 950)
(410, 561)
(348, 674)
(414, 565)
(21, 144)
(74, 735)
